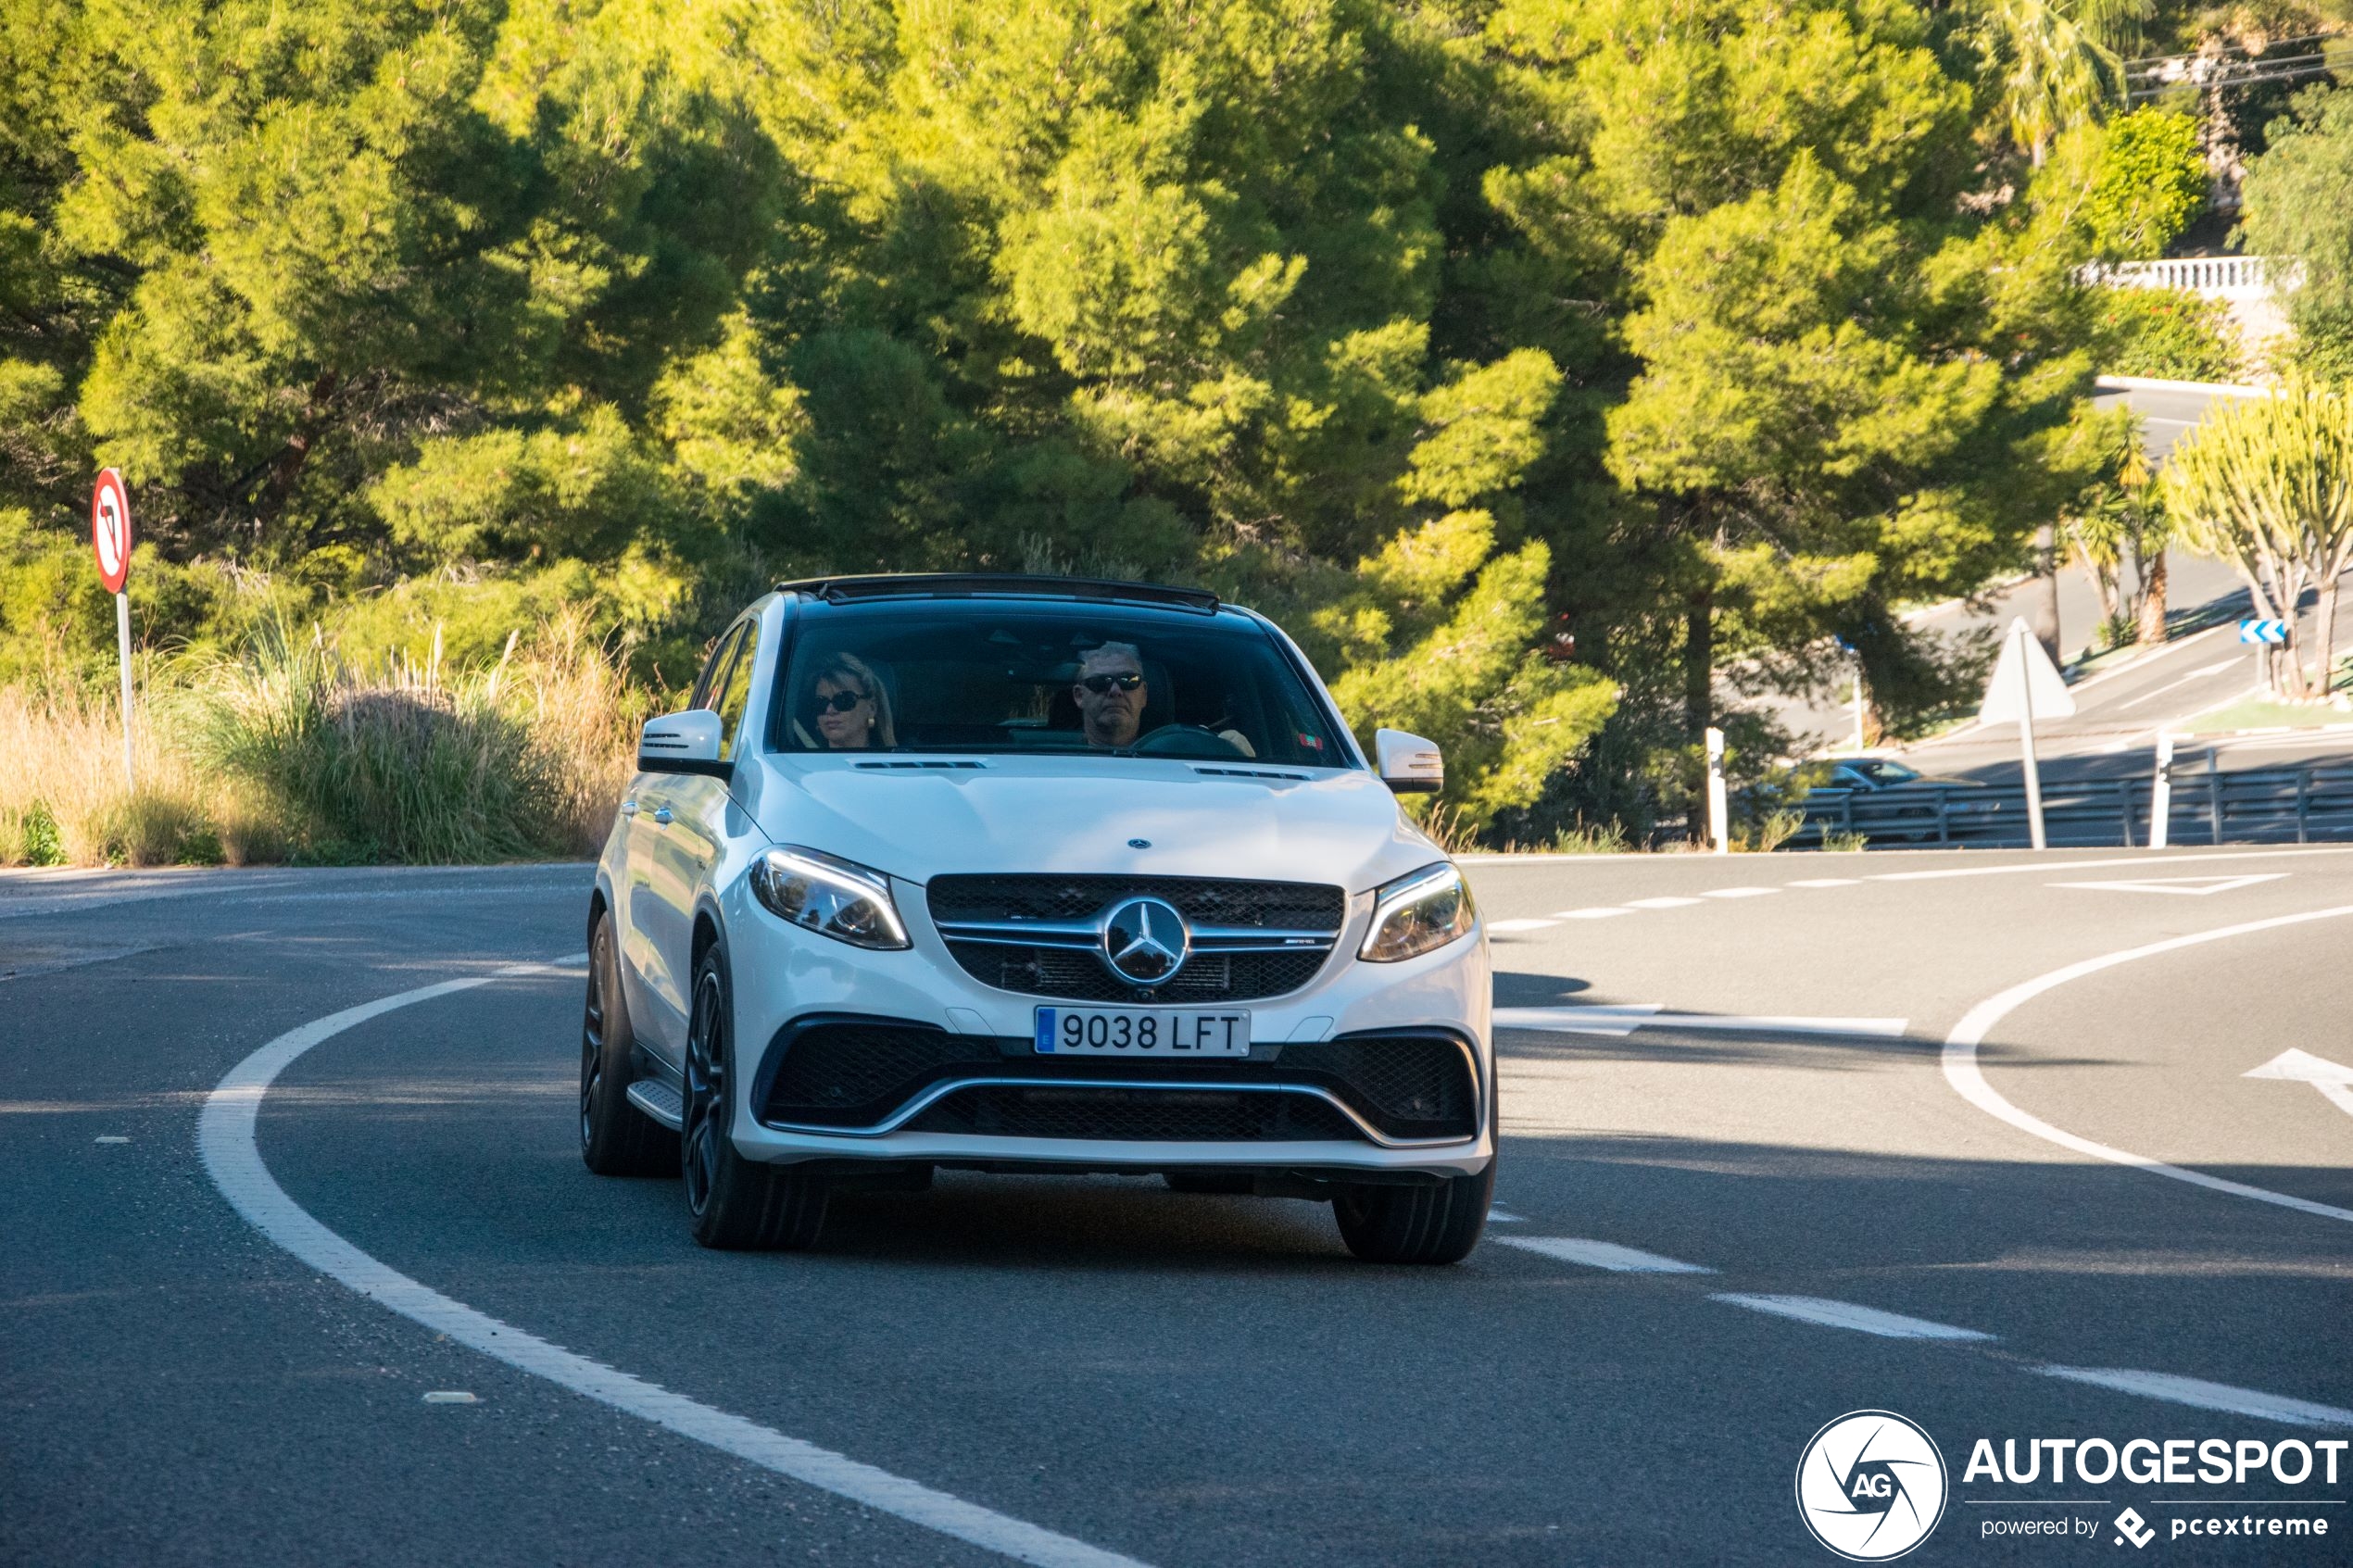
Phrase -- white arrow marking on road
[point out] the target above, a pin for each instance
(2333, 1082)
(1618, 1020)
(2188, 886)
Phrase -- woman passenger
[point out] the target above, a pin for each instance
(852, 706)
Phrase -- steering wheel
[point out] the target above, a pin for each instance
(1186, 740)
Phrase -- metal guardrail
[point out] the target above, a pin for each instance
(2313, 803)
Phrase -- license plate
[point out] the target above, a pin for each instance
(1136, 1032)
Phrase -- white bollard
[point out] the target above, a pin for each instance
(2162, 792)
(1719, 827)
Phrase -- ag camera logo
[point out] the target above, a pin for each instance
(1871, 1485)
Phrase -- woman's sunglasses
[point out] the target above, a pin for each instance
(1099, 684)
(840, 702)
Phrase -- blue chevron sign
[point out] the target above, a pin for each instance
(2262, 631)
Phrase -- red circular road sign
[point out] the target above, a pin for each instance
(110, 530)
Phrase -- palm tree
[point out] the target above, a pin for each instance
(2267, 484)
(2057, 63)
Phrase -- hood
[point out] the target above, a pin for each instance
(1076, 815)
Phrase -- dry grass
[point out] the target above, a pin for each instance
(288, 753)
(64, 801)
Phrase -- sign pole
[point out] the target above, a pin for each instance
(110, 541)
(2162, 792)
(2026, 754)
(1858, 705)
(122, 646)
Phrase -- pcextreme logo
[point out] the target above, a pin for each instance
(1871, 1485)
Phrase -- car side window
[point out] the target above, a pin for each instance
(714, 671)
(737, 691)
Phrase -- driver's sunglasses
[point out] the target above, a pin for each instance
(1100, 684)
(840, 702)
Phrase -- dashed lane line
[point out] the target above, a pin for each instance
(1600, 1019)
(1829, 882)
(225, 1141)
(1967, 1079)
(1510, 927)
(1602, 1255)
(1602, 911)
(1847, 1314)
(1738, 892)
(2204, 1394)
(1662, 902)
(1825, 1312)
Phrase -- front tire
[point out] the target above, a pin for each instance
(1429, 1222)
(735, 1204)
(616, 1138)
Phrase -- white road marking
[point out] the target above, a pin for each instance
(1847, 1314)
(2205, 1396)
(1664, 901)
(2334, 1081)
(2193, 676)
(1499, 1215)
(1967, 1079)
(1600, 912)
(1602, 1255)
(1559, 1021)
(1506, 926)
(2176, 858)
(2186, 887)
(1596, 1018)
(450, 1397)
(1739, 892)
(110, 1137)
(1829, 882)
(225, 1140)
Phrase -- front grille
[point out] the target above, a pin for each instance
(854, 1073)
(1302, 906)
(1136, 1115)
(1408, 1085)
(1072, 975)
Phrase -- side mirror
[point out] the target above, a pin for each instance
(1408, 764)
(682, 743)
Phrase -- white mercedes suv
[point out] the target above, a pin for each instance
(1032, 874)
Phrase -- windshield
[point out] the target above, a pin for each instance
(936, 675)
(1884, 773)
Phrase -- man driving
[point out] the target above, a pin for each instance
(1111, 694)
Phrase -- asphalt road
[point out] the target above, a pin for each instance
(1199, 1380)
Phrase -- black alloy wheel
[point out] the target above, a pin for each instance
(734, 1203)
(616, 1138)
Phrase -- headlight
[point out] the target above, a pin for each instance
(1417, 914)
(831, 897)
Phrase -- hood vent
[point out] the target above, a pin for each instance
(919, 764)
(1250, 773)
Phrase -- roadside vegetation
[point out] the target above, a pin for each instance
(1562, 375)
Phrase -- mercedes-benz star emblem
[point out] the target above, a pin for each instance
(1145, 940)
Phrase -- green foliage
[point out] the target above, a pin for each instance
(1441, 333)
(2170, 333)
(2299, 204)
(2151, 183)
(2266, 483)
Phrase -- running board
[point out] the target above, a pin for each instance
(660, 1101)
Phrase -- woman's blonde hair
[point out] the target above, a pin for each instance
(848, 668)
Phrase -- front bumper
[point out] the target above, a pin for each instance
(1001, 1106)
